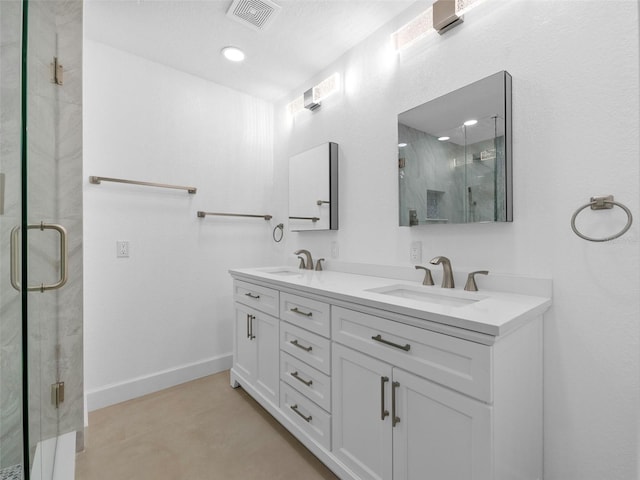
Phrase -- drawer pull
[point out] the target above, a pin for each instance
(394, 419)
(296, 344)
(383, 412)
(295, 409)
(378, 338)
(306, 314)
(295, 375)
(251, 295)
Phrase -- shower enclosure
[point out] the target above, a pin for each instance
(41, 389)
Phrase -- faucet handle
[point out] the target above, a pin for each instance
(302, 265)
(319, 264)
(471, 286)
(428, 279)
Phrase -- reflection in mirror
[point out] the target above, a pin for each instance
(313, 189)
(454, 156)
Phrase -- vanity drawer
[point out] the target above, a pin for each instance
(306, 415)
(312, 349)
(455, 363)
(310, 382)
(261, 298)
(306, 313)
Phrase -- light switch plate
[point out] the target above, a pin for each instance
(415, 252)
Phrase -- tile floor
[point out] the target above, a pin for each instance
(201, 430)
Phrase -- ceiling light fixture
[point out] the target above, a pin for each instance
(444, 139)
(402, 145)
(470, 123)
(233, 54)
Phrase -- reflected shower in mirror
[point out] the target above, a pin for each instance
(313, 189)
(454, 156)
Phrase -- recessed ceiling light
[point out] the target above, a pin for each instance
(401, 145)
(443, 139)
(469, 123)
(233, 54)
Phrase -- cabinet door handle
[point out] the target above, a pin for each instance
(394, 418)
(306, 314)
(378, 338)
(295, 409)
(251, 295)
(248, 322)
(296, 344)
(295, 375)
(251, 319)
(383, 412)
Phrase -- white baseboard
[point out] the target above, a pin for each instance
(137, 387)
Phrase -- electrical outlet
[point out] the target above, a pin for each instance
(415, 252)
(335, 251)
(122, 248)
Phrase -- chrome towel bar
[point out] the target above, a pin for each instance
(602, 203)
(313, 219)
(96, 180)
(204, 214)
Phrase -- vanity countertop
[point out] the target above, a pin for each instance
(488, 313)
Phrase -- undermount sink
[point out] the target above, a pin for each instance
(421, 294)
(285, 271)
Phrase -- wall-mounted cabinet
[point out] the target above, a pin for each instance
(313, 189)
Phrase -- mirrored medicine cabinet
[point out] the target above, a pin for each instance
(313, 189)
(454, 156)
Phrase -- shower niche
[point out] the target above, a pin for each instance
(454, 156)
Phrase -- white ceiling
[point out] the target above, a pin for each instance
(305, 37)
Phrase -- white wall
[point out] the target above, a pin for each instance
(575, 109)
(164, 315)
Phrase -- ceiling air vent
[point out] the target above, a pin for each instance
(255, 14)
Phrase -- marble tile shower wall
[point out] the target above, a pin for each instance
(10, 306)
(55, 196)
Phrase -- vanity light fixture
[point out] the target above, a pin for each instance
(442, 16)
(311, 99)
(233, 54)
(445, 16)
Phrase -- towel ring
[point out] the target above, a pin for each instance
(276, 238)
(601, 203)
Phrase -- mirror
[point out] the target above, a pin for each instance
(454, 156)
(313, 189)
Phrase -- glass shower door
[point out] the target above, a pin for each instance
(41, 391)
(11, 345)
(53, 228)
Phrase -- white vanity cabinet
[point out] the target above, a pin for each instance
(390, 424)
(256, 333)
(378, 390)
(305, 365)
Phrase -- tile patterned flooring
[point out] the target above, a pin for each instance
(201, 430)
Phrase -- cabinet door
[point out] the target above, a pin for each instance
(441, 434)
(362, 433)
(244, 358)
(265, 330)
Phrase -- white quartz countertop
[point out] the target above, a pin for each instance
(486, 312)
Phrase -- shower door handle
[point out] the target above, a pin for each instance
(64, 257)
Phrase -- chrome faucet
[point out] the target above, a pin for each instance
(447, 276)
(308, 263)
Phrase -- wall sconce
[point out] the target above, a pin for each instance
(442, 16)
(445, 16)
(312, 98)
